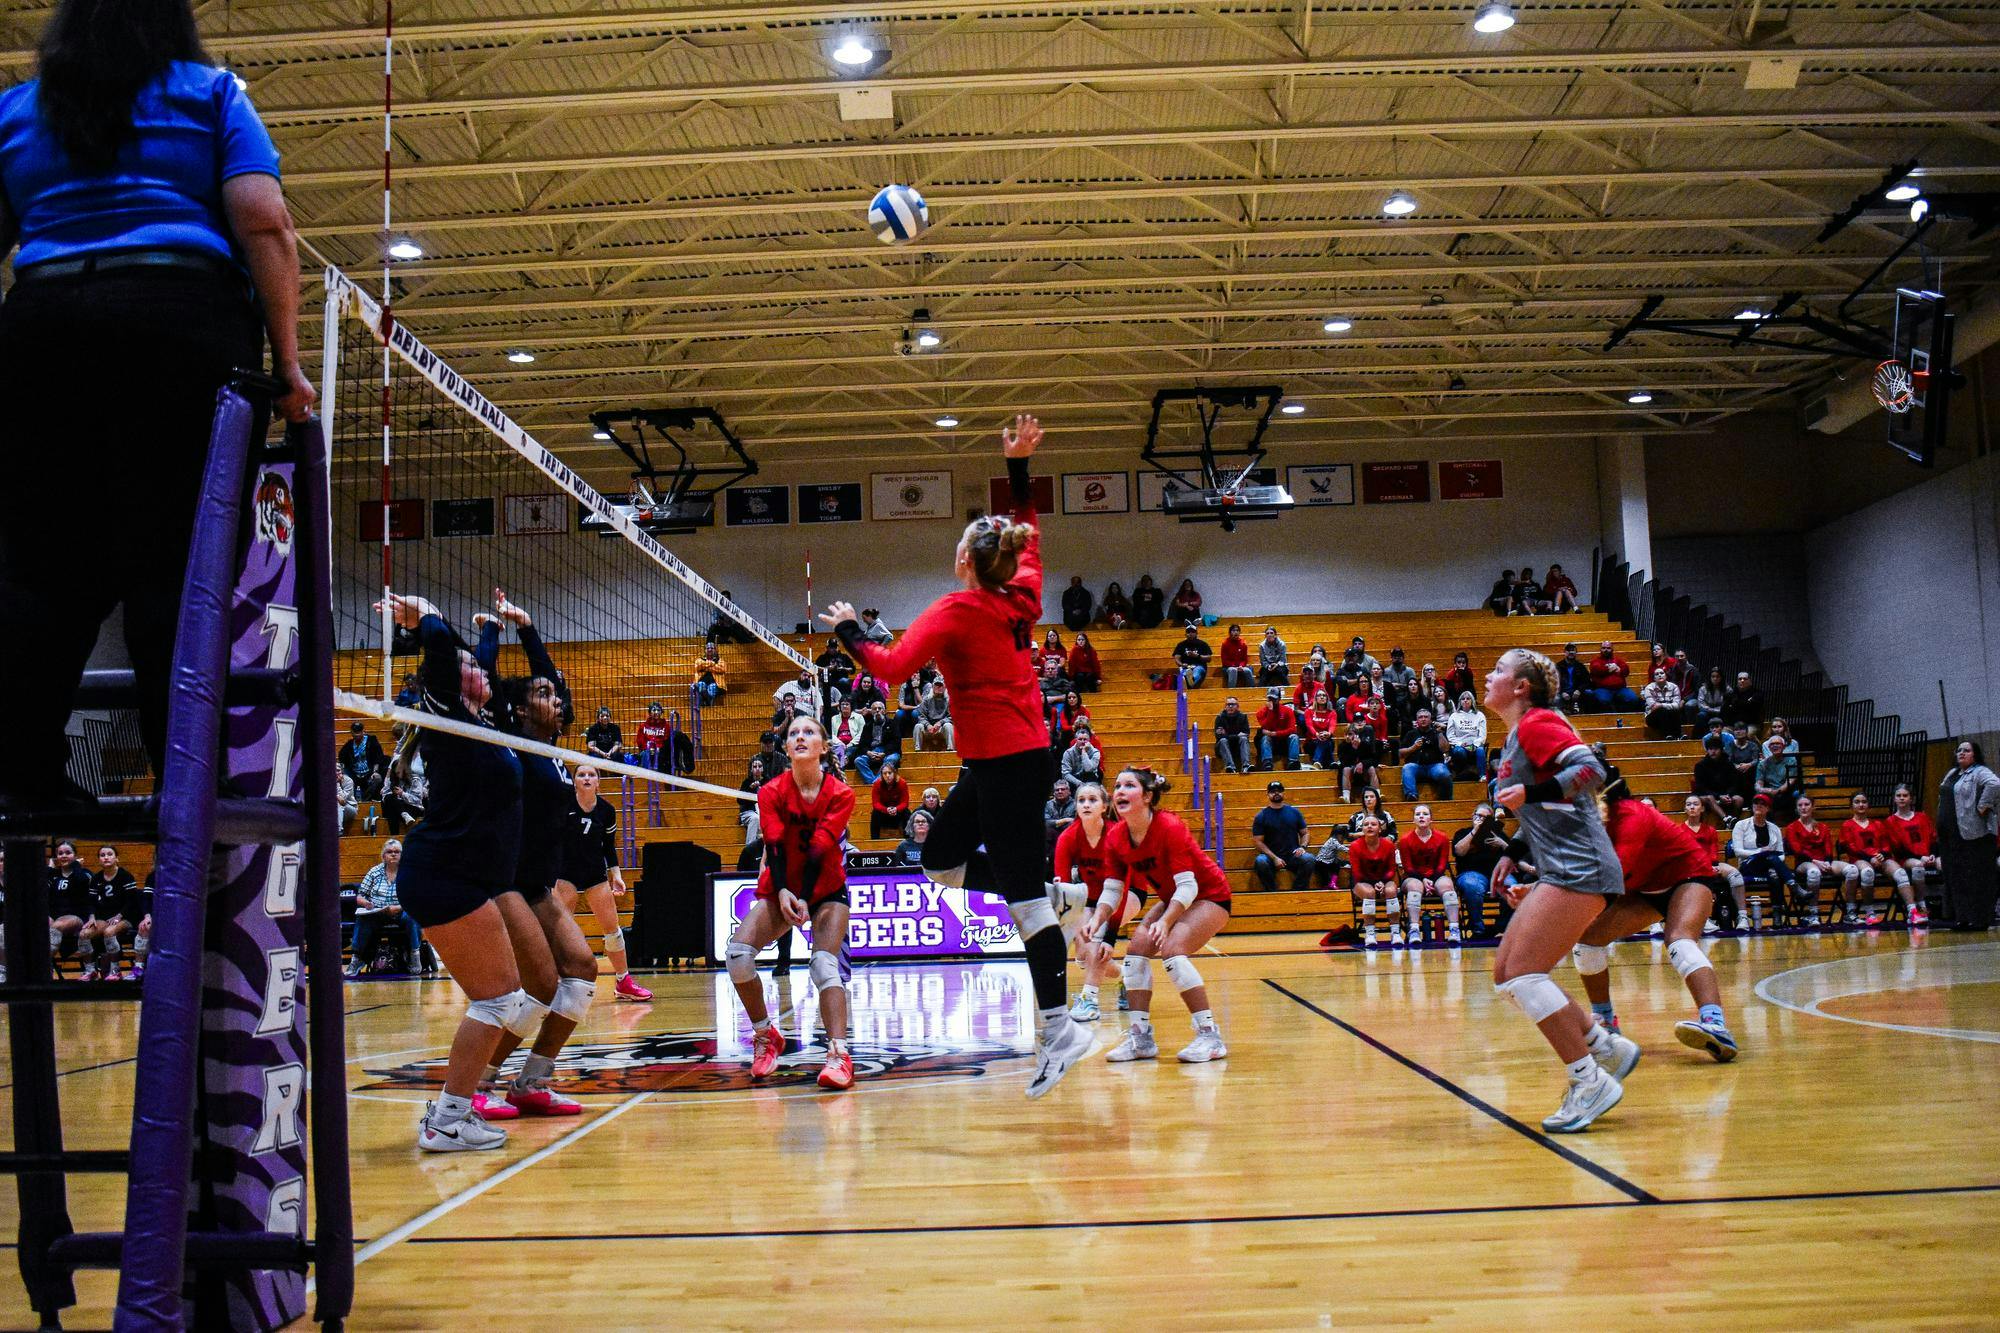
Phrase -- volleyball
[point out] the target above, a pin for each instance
(899, 214)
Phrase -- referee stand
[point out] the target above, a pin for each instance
(246, 895)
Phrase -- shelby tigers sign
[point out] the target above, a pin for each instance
(895, 913)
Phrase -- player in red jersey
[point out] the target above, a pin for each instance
(1669, 877)
(1811, 844)
(1913, 845)
(1867, 844)
(1426, 857)
(1150, 851)
(803, 813)
(1710, 839)
(989, 834)
(1371, 858)
(1081, 855)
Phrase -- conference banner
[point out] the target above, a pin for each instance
(1097, 492)
(900, 495)
(895, 913)
(1321, 484)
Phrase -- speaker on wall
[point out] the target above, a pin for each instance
(670, 912)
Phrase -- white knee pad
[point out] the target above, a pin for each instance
(1413, 899)
(55, 939)
(528, 1018)
(1182, 973)
(1033, 916)
(1450, 896)
(503, 1011)
(1591, 959)
(1917, 876)
(741, 960)
(1851, 873)
(614, 940)
(1687, 957)
(1137, 972)
(1867, 876)
(573, 997)
(1900, 875)
(1534, 994)
(1811, 876)
(952, 877)
(1734, 878)
(824, 970)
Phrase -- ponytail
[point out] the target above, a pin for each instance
(993, 547)
(1155, 785)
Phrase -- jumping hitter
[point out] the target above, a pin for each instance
(803, 812)
(989, 834)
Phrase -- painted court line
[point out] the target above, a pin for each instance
(1535, 1136)
(1814, 984)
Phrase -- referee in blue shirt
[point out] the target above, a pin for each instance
(156, 254)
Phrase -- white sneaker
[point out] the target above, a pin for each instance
(467, 1134)
(1063, 1043)
(1207, 1045)
(1368, 938)
(1621, 1058)
(1138, 1045)
(1451, 935)
(1085, 1010)
(1709, 927)
(1586, 1100)
(1655, 929)
(1396, 938)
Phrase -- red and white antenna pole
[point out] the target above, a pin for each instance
(809, 589)
(388, 323)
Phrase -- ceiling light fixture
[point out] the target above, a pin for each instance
(1493, 17)
(1338, 324)
(600, 435)
(1749, 312)
(1399, 204)
(929, 338)
(1918, 208)
(1638, 397)
(947, 422)
(1903, 191)
(406, 249)
(520, 357)
(1293, 409)
(851, 50)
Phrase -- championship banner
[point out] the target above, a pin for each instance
(341, 288)
(1000, 495)
(895, 913)
(462, 518)
(899, 495)
(1395, 483)
(756, 506)
(1478, 480)
(1321, 484)
(1097, 492)
(829, 502)
(537, 515)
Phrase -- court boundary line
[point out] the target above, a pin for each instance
(1813, 1010)
(1605, 1174)
(1234, 1219)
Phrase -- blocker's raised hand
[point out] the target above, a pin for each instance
(1022, 438)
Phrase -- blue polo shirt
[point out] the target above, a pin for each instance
(194, 128)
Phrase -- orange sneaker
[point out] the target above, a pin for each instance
(767, 1046)
(630, 990)
(838, 1072)
(493, 1108)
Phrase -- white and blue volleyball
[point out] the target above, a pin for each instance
(898, 215)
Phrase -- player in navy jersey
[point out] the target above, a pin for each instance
(113, 895)
(989, 835)
(590, 871)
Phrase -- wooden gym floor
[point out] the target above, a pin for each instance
(1366, 1156)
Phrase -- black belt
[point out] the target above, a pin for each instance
(113, 261)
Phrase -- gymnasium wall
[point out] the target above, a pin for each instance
(1906, 592)
(1436, 555)
(1757, 580)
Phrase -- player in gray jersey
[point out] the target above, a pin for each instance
(1549, 776)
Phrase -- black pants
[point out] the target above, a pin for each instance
(997, 802)
(1973, 879)
(107, 399)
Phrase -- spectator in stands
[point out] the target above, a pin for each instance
(1083, 761)
(680, 746)
(1500, 597)
(1656, 660)
(1346, 675)
(908, 700)
(1149, 603)
(711, 677)
(724, 628)
(604, 740)
(1460, 680)
(1054, 683)
(1077, 604)
(1465, 734)
(412, 693)
(1709, 701)
(1608, 690)
(1232, 737)
(835, 666)
(1359, 756)
(1273, 667)
(1086, 673)
(867, 692)
(804, 691)
(889, 806)
(1662, 701)
(1277, 730)
(1064, 715)
(910, 851)
(1115, 611)
(1431, 692)
(1371, 805)
(1717, 783)
(1236, 660)
(930, 804)
(1744, 704)
(1969, 809)
(1052, 649)
(874, 630)
(1775, 774)
(1743, 751)
(1308, 686)
(344, 797)
(377, 909)
(1423, 758)
(653, 736)
(1682, 673)
(1560, 592)
(1059, 813)
(1366, 706)
(1193, 653)
(1399, 672)
(1759, 846)
(1186, 606)
(406, 794)
(361, 758)
(934, 729)
(1529, 599)
(877, 746)
(844, 736)
(1363, 656)
(1319, 731)
(1279, 834)
(746, 805)
(1572, 681)
(1478, 849)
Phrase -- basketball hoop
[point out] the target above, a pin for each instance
(1893, 386)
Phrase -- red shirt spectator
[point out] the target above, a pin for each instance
(1320, 719)
(1279, 719)
(892, 794)
(1083, 663)
(1235, 651)
(1424, 858)
(1608, 671)
(652, 734)
(1371, 709)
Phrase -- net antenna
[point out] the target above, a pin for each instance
(681, 498)
(1209, 478)
(476, 503)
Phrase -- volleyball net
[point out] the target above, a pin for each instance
(438, 493)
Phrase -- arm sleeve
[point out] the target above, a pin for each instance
(899, 660)
(243, 144)
(539, 661)
(770, 819)
(827, 831)
(438, 668)
(487, 651)
(1028, 576)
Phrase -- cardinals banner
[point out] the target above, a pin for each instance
(910, 494)
(1395, 483)
(1097, 492)
(1478, 480)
